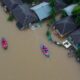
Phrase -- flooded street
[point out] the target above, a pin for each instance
(23, 59)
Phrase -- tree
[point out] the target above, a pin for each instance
(71, 1)
(76, 10)
(52, 3)
(68, 1)
(53, 10)
(76, 13)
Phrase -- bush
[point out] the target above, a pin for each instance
(10, 18)
(48, 33)
(53, 10)
(53, 14)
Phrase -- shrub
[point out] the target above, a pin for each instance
(53, 10)
(10, 18)
(48, 33)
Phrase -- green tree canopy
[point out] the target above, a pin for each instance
(76, 13)
(76, 10)
(53, 10)
(71, 1)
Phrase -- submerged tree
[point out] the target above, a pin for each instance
(53, 10)
(76, 13)
(71, 1)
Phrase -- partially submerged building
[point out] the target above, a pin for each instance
(42, 10)
(24, 16)
(11, 4)
(68, 10)
(64, 26)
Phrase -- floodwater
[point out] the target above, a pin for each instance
(23, 59)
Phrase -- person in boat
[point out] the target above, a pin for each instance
(44, 48)
(4, 43)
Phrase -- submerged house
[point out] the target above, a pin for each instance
(11, 4)
(64, 26)
(74, 38)
(42, 10)
(24, 16)
(68, 10)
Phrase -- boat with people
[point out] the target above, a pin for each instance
(4, 43)
(45, 50)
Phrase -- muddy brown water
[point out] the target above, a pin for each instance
(23, 59)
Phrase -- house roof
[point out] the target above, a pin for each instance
(60, 5)
(12, 3)
(76, 37)
(23, 14)
(65, 26)
(69, 9)
(42, 10)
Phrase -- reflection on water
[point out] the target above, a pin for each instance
(23, 59)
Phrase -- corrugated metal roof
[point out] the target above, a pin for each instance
(42, 10)
(69, 9)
